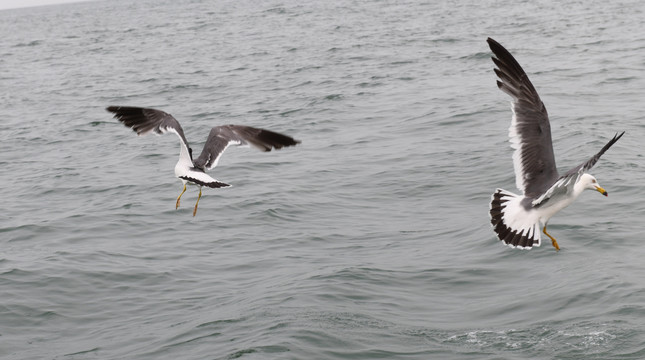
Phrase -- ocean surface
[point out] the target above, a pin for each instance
(371, 239)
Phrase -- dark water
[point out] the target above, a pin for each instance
(370, 239)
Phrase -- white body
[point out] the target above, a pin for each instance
(530, 222)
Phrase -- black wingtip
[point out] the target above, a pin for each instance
(273, 140)
(613, 141)
(619, 136)
(495, 47)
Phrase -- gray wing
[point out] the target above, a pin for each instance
(221, 137)
(530, 131)
(582, 168)
(571, 177)
(145, 120)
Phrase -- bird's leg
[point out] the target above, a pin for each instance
(197, 203)
(553, 242)
(182, 193)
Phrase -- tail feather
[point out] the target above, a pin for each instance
(211, 184)
(510, 221)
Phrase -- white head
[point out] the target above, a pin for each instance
(590, 182)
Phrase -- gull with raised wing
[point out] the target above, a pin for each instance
(193, 171)
(518, 220)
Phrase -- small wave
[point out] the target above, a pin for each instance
(84, 352)
(545, 339)
(31, 43)
(334, 97)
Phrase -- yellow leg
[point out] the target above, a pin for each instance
(197, 203)
(553, 242)
(182, 193)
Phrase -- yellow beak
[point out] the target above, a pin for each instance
(601, 190)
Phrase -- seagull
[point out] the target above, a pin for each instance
(192, 171)
(517, 218)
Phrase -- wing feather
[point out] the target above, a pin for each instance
(530, 131)
(570, 178)
(221, 137)
(146, 120)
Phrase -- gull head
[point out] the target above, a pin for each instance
(590, 182)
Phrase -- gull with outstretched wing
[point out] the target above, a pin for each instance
(516, 219)
(193, 171)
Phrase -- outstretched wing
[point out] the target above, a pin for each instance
(144, 121)
(571, 177)
(221, 137)
(530, 131)
(587, 165)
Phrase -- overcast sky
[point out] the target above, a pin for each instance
(9, 4)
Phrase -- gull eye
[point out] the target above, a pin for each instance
(594, 181)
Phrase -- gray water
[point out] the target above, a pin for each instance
(370, 239)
